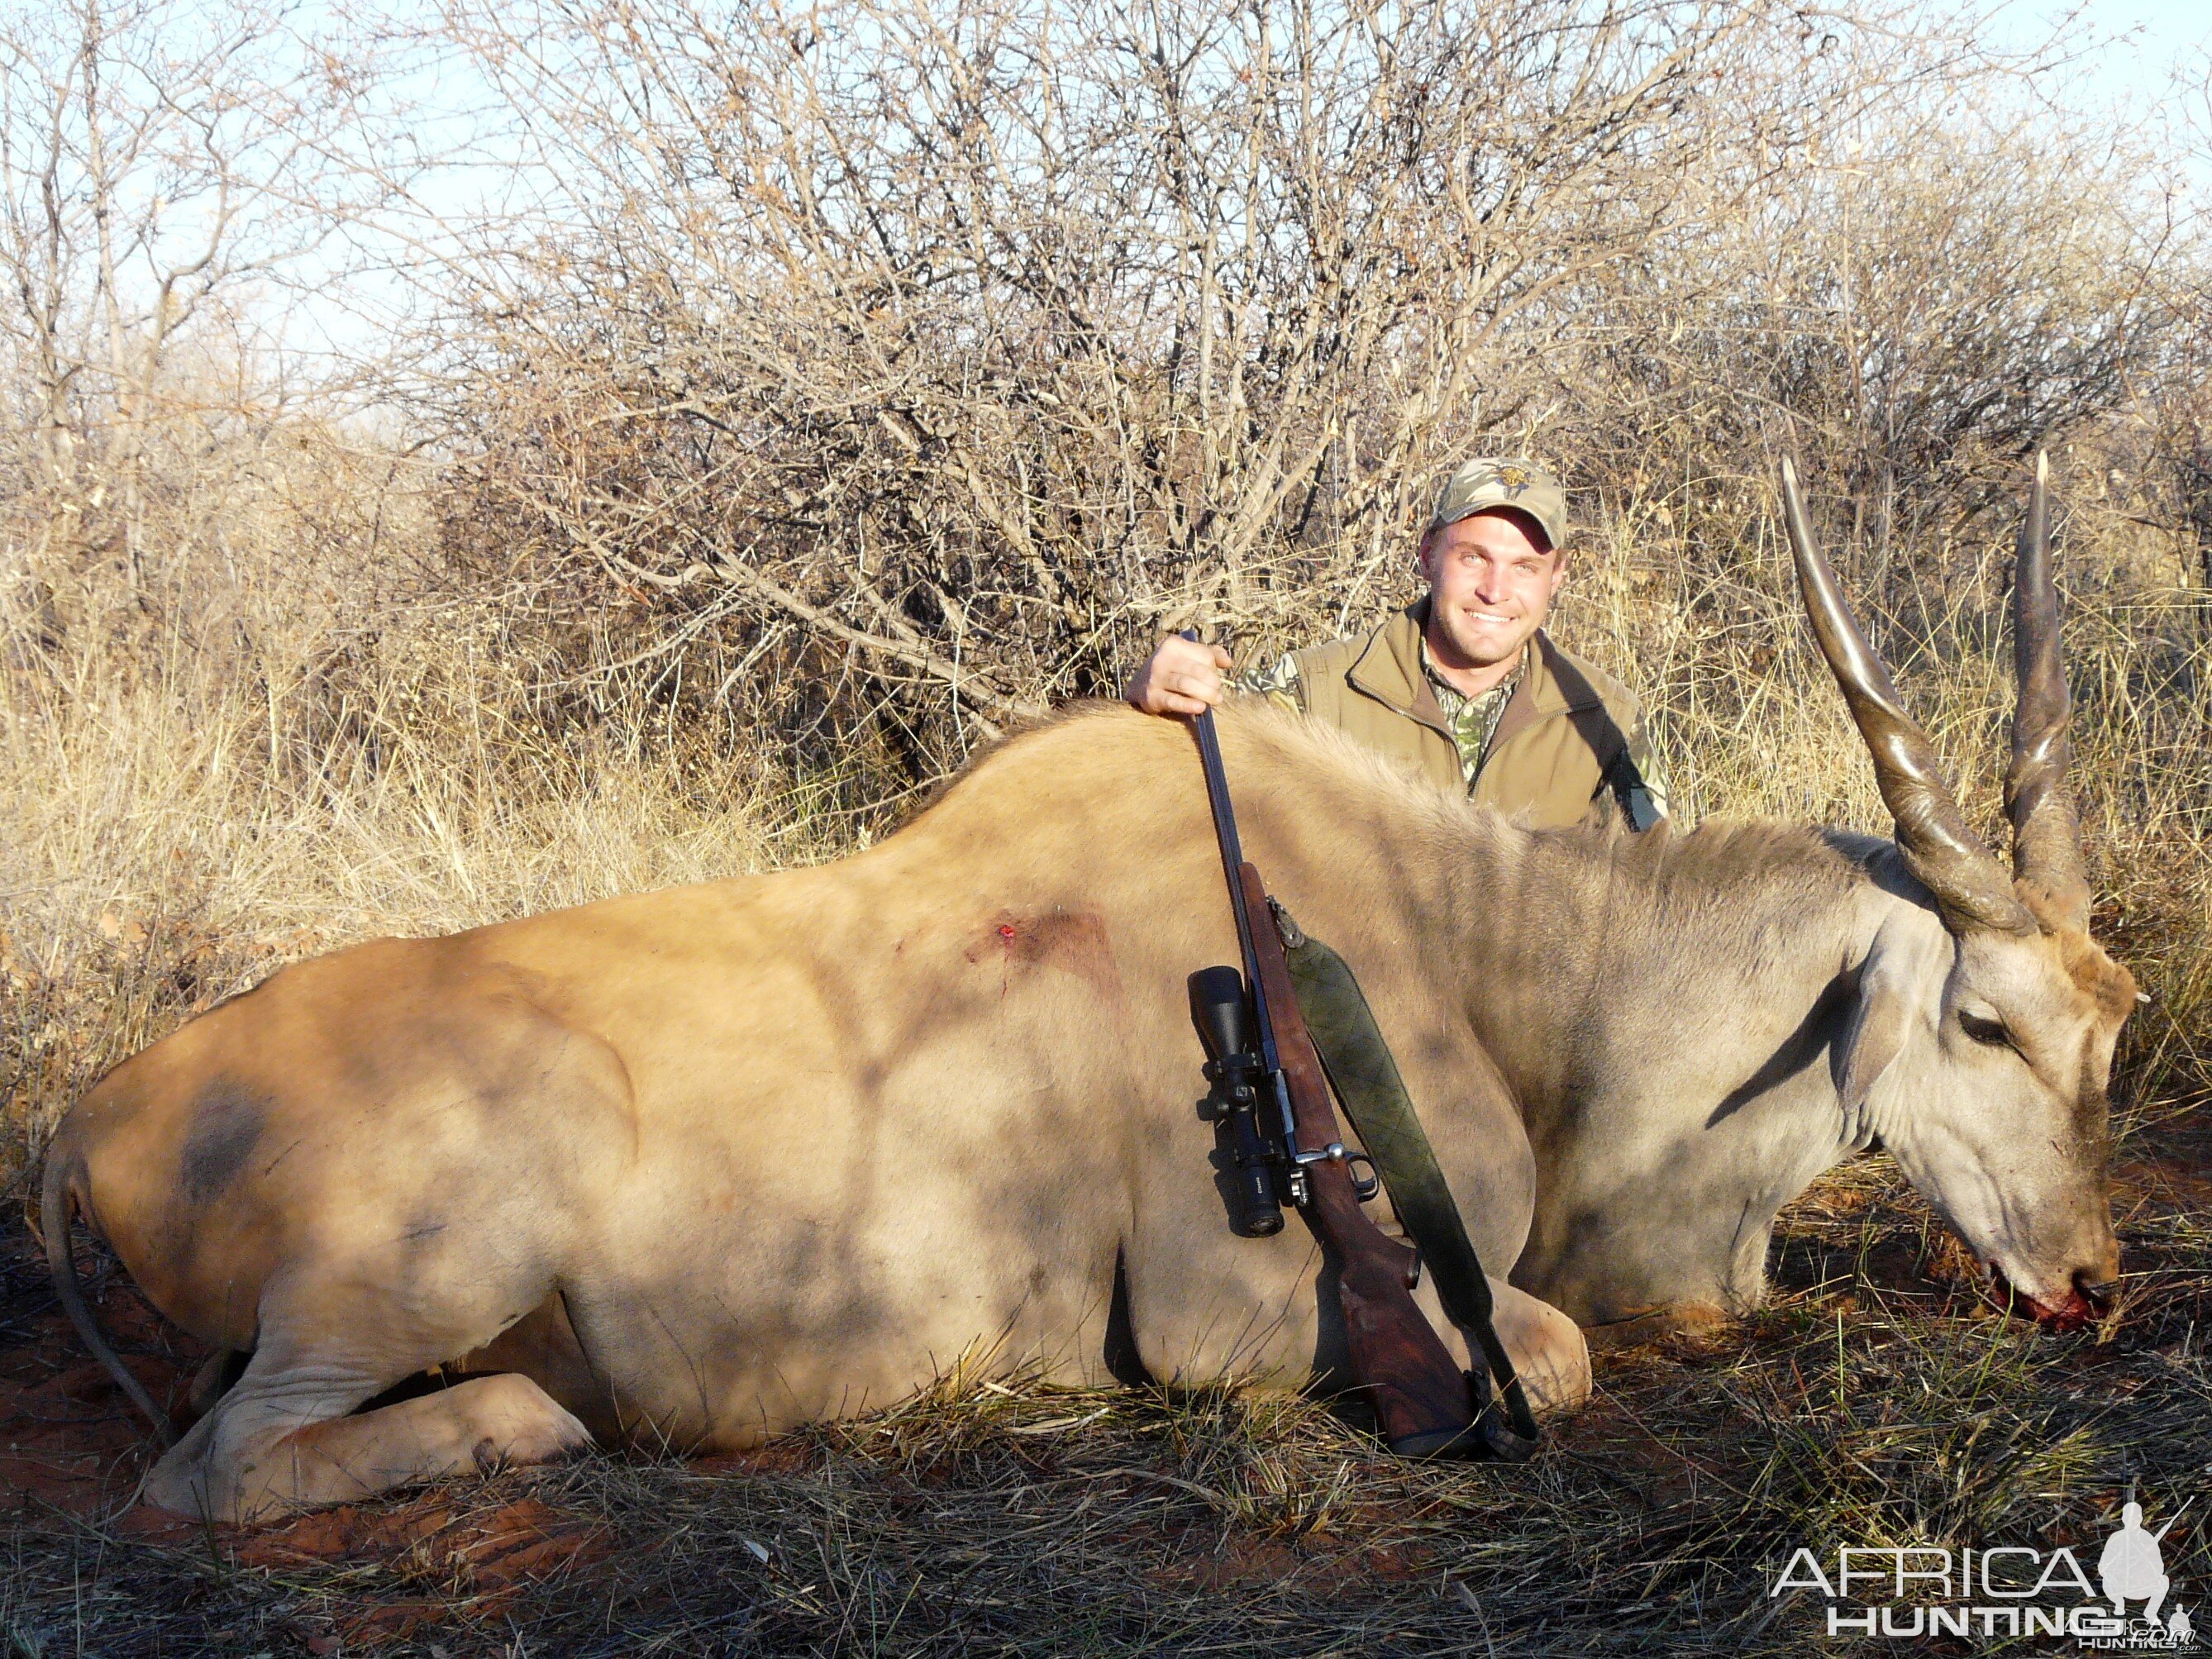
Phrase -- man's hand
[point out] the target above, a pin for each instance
(1180, 678)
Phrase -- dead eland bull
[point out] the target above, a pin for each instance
(700, 1165)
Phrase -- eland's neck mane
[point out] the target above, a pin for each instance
(1666, 1008)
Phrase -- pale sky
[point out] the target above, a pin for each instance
(2136, 45)
(2171, 26)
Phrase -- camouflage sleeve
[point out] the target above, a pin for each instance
(1278, 682)
(1632, 783)
(1647, 795)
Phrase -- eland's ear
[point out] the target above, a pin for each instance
(1900, 989)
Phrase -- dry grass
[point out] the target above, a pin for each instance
(173, 839)
(1869, 1404)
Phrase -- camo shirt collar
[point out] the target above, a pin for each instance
(1473, 721)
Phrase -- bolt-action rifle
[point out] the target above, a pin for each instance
(1285, 1146)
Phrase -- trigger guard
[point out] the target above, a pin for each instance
(1364, 1187)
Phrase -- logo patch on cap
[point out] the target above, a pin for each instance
(1517, 484)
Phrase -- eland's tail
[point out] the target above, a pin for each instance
(58, 1193)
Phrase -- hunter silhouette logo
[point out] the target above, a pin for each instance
(2131, 1569)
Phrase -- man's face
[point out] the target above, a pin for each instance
(1490, 583)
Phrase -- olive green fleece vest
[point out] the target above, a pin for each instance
(1567, 724)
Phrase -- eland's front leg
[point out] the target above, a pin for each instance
(1547, 1349)
(284, 1439)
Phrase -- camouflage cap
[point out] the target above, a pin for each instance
(1487, 482)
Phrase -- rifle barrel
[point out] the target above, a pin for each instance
(1232, 865)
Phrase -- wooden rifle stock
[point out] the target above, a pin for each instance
(1422, 1401)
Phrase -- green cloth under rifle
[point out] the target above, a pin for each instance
(1374, 1098)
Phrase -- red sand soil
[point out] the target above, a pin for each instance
(72, 1443)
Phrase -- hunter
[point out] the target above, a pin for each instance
(1463, 687)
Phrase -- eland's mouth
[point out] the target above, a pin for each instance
(2082, 1304)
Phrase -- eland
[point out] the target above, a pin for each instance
(697, 1166)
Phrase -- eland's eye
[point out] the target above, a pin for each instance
(1985, 1029)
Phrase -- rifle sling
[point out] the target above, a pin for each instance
(1374, 1098)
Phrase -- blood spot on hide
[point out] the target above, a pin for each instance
(1073, 941)
(227, 1120)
